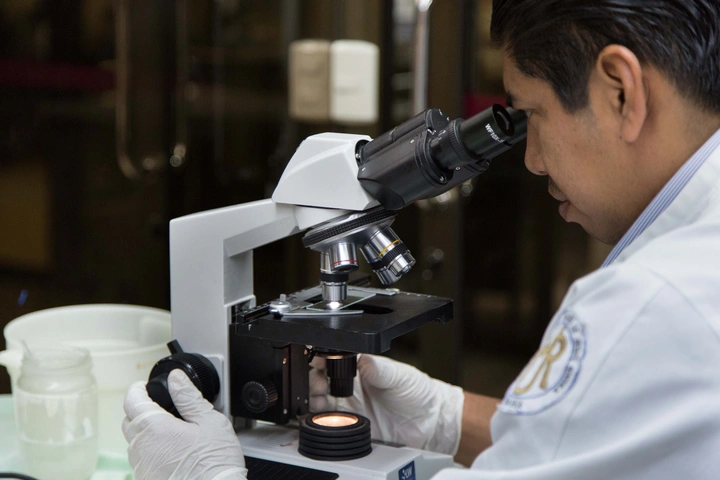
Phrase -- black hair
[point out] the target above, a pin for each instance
(558, 41)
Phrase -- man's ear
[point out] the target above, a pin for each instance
(620, 76)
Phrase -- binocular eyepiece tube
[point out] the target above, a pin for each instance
(430, 154)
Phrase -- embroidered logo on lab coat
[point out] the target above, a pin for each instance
(552, 372)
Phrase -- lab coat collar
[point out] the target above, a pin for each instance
(683, 209)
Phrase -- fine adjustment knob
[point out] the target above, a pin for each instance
(198, 368)
(259, 396)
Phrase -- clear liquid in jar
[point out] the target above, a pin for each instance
(57, 433)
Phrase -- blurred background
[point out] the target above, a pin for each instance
(119, 115)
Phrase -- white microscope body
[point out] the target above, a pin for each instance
(211, 267)
(211, 258)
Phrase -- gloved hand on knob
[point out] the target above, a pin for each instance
(161, 446)
(403, 404)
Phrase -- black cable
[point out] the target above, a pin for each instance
(18, 476)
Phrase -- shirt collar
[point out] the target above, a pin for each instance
(662, 200)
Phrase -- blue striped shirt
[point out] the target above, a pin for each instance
(666, 196)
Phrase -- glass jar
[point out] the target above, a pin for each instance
(56, 413)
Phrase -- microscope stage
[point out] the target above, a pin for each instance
(381, 316)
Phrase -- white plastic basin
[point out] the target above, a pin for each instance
(124, 342)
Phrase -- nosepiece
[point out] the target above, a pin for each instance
(369, 231)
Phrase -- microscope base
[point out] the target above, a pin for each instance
(280, 444)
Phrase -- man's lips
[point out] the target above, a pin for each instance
(557, 194)
(563, 209)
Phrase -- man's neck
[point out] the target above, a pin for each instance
(675, 141)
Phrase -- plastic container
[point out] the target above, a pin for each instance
(56, 413)
(124, 341)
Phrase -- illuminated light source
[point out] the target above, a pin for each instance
(334, 436)
(338, 419)
(334, 305)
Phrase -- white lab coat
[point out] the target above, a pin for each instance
(631, 363)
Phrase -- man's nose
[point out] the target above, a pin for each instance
(533, 157)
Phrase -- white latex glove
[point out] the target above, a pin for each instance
(164, 447)
(403, 404)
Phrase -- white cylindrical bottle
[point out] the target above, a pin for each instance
(56, 413)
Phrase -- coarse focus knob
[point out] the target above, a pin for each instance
(259, 396)
(198, 368)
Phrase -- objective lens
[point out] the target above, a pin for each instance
(388, 256)
(334, 293)
(339, 258)
(337, 419)
(335, 264)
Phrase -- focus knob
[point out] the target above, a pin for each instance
(198, 368)
(259, 396)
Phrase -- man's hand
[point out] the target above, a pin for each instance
(404, 405)
(165, 447)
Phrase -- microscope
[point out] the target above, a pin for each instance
(252, 361)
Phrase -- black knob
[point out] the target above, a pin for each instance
(341, 371)
(157, 389)
(198, 368)
(259, 396)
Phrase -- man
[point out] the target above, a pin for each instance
(623, 100)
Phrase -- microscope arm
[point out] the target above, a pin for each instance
(212, 270)
(211, 260)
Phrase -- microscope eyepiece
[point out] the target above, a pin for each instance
(429, 154)
(492, 131)
(502, 118)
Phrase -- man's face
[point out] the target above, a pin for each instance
(580, 154)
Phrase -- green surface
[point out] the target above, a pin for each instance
(109, 468)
